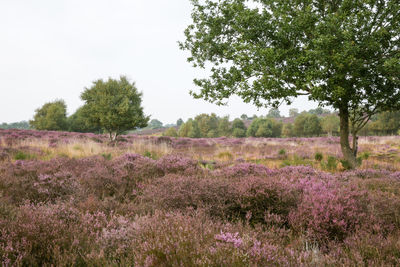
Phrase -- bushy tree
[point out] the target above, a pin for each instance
(208, 124)
(307, 125)
(179, 122)
(287, 130)
(330, 124)
(238, 128)
(224, 126)
(319, 111)
(78, 122)
(343, 54)
(274, 113)
(239, 133)
(114, 105)
(244, 117)
(189, 129)
(171, 132)
(51, 116)
(155, 124)
(386, 123)
(265, 127)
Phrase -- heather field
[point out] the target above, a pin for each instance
(70, 199)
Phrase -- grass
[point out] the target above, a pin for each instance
(374, 153)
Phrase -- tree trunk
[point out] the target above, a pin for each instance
(350, 155)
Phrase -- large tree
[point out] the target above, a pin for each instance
(340, 53)
(51, 116)
(114, 105)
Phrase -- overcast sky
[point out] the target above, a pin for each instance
(52, 49)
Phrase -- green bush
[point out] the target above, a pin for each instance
(330, 164)
(171, 132)
(318, 156)
(239, 133)
(20, 155)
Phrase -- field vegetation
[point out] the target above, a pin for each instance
(79, 199)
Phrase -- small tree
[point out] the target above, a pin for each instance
(287, 130)
(114, 105)
(51, 116)
(171, 132)
(155, 124)
(330, 124)
(307, 125)
(274, 113)
(265, 127)
(224, 126)
(179, 122)
(343, 54)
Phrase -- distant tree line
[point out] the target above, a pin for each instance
(312, 123)
(23, 125)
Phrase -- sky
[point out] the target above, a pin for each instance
(52, 50)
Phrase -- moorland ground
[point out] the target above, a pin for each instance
(77, 199)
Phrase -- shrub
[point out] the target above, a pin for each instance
(318, 156)
(226, 199)
(177, 164)
(330, 164)
(329, 212)
(239, 133)
(172, 132)
(20, 155)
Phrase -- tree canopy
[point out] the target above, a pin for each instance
(51, 116)
(114, 105)
(341, 53)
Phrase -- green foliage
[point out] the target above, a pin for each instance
(171, 132)
(244, 117)
(224, 127)
(207, 123)
(330, 164)
(345, 164)
(23, 125)
(307, 125)
(238, 128)
(78, 122)
(106, 156)
(365, 155)
(318, 156)
(265, 127)
(155, 124)
(385, 123)
(239, 133)
(179, 122)
(238, 124)
(319, 111)
(20, 155)
(274, 113)
(51, 116)
(114, 105)
(287, 130)
(330, 124)
(282, 153)
(190, 129)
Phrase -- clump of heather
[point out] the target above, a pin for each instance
(243, 170)
(327, 211)
(177, 164)
(249, 198)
